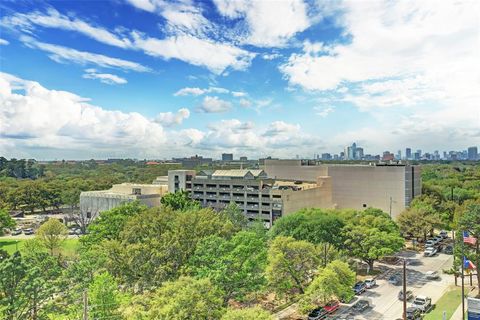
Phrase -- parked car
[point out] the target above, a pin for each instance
(448, 249)
(432, 275)
(413, 313)
(359, 287)
(370, 283)
(430, 243)
(429, 252)
(332, 306)
(16, 232)
(28, 231)
(422, 303)
(394, 279)
(408, 295)
(361, 305)
(443, 234)
(317, 314)
(438, 238)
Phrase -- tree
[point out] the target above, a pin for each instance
(179, 200)
(417, 222)
(233, 213)
(110, 223)
(52, 234)
(255, 313)
(291, 264)
(470, 222)
(156, 244)
(6, 221)
(186, 298)
(236, 266)
(104, 297)
(313, 225)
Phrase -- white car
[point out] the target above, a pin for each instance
(432, 275)
(443, 234)
(430, 243)
(423, 303)
(429, 252)
(370, 283)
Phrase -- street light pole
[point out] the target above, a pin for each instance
(463, 287)
(404, 289)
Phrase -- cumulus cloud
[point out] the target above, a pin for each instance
(169, 119)
(63, 54)
(270, 56)
(245, 103)
(32, 116)
(264, 29)
(4, 42)
(107, 78)
(195, 91)
(214, 105)
(323, 111)
(239, 94)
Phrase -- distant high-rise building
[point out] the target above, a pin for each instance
(359, 154)
(387, 156)
(351, 152)
(326, 156)
(473, 153)
(408, 154)
(227, 156)
(416, 156)
(243, 158)
(399, 155)
(419, 153)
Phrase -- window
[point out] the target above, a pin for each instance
(89, 215)
(364, 205)
(137, 191)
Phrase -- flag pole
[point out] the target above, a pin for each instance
(463, 288)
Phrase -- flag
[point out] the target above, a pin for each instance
(467, 264)
(467, 238)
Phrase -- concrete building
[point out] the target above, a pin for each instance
(257, 195)
(227, 156)
(193, 161)
(94, 202)
(180, 180)
(472, 153)
(387, 187)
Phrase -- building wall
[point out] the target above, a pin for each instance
(180, 180)
(127, 188)
(293, 170)
(318, 197)
(96, 202)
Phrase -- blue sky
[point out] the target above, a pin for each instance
(156, 79)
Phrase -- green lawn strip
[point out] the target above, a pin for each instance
(69, 246)
(449, 302)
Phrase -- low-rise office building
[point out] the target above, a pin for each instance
(257, 195)
(94, 202)
(390, 187)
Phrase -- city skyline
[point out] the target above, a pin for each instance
(152, 79)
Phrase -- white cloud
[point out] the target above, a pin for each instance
(189, 91)
(198, 91)
(245, 103)
(4, 42)
(169, 119)
(107, 78)
(323, 111)
(269, 23)
(214, 105)
(33, 116)
(239, 94)
(271, 56)
(209, 54)
(62, 54)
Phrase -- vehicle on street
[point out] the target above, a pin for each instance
(394, 279)
(422, 303)
(370, 283)
(28, 231)
(361, 305)
(438, 239)
(429, 252)
(443, 234)
(448, 249)
(430, 243)
(16, 232)
(435, 240)
(408, 295)
(432, 275)
(317, 314)
(359, 287)
(413, 313)
(332, 306)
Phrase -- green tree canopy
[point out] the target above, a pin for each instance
(254, 313)
(104, 297)
(237, 265)
(470, 222)
(52, 234)
(291, 264)
(6, 221)
(179, 200)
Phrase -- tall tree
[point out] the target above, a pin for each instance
(470, 222)
(255, 313)
(237, 265)
(6, 221)
(179, 200)
(104, 297)
(291, 264)
(52, 234)
(417, 222)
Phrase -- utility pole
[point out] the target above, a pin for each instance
(390, 207)
(404, 289)
(85, 305)
(463, 284)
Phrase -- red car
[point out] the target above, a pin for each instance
(332, 306)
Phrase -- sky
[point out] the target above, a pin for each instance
(159, 79)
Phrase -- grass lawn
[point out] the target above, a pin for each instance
(68, 248)
(449, 302)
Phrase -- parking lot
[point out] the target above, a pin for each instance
(383, 299)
